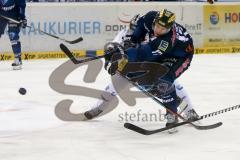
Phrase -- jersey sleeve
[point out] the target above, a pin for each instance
(144, 26)
(140, 32)
(21, 4)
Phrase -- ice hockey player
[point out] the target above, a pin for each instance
(14, 9)
(168, 44)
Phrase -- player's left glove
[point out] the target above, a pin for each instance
(23, 22)
(115, 59)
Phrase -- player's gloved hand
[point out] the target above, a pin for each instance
(133, 22)
(127, 42)
(109, 49)
(114, 58)
(23, 22)
(117, 63)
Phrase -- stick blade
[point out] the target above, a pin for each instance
(210, 126)
(135, 128)
(75, 41)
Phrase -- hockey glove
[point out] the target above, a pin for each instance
(127, 42)
(133, 22)
(117, 63)
(115, 59)
(23, 22)
(110, 49)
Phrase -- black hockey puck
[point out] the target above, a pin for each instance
(22, 91)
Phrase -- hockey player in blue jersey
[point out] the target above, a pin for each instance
(14, 9)
(168, 44)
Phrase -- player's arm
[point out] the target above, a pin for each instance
(182, 64)
(184, 53)
(137, 29)
(139, 32)
(21, 5)
(181, 53)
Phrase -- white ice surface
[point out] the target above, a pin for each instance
(29, 129)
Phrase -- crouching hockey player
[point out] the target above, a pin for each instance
(14, 9)
(168, 44)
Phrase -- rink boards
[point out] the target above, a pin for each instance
(215, 28)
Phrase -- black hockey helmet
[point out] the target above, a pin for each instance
(165, 18)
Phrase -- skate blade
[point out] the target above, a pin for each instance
(17, 67)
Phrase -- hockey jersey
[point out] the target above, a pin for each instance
(14, 8)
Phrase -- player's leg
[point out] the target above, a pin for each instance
(167, 92)
(13, 33)
(177, 66)
(109, 96)
(187, 110)
(101, 105)
(105, 104)
(161, 87)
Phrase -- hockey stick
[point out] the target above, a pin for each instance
(75, 61)
(149, 132)
(51, 35)
(175, 113)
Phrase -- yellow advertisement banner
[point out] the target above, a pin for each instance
(221, 25)
(43, 55)
(81, 54)
(218, 50)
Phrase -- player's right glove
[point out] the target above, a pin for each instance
(23, 22)
(127, 42)
(133, 22)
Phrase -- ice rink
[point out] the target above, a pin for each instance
(30, 130)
